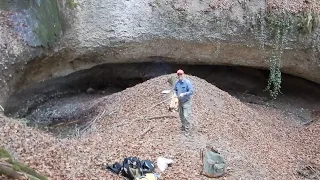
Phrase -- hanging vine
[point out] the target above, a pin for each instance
(279, 27)
(274, 81)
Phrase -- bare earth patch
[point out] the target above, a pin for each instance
(257, 142)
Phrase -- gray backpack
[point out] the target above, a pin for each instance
(213, 164)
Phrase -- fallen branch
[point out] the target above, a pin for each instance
(127, 121)
(316, 173)
(65, 123)
(309, 171)
(93, 121)
(1, 108)
(152, 106)
(159, 103)
(163, 116)
(308, 122)
(147, 130)
(124, 121)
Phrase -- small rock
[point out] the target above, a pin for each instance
(90, 90)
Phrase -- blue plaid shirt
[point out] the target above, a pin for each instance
(184, 86)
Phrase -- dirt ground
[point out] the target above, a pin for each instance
(257, 141)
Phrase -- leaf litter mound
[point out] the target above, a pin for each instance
(256, 142)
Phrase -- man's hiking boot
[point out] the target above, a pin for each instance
(187, 133)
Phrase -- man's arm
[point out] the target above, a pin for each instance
(190, 89)
(175, 89)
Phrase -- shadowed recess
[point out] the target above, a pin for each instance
(70, 97)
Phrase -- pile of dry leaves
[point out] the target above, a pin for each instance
(295, 6)
(257, 142)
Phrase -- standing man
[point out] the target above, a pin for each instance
(183, 89)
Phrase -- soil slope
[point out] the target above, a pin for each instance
(257, 143)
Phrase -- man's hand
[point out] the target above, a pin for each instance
(181, 94)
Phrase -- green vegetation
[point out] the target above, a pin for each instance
(274, 81)
(302, 23)
(281, 25)
(4, 154)
(15, 169)
(158, 3)
(307, 22)
(72, 4)
(278, 28)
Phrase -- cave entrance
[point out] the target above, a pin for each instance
(73, 97)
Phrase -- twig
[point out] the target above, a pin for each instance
(315, 172)
(163, 116)
(239, 129)
(159, 103)
(65, 123)
(143, 118)
(1, 108)
(93, 121)
(147, 130)
(124, 121)
(308, 122)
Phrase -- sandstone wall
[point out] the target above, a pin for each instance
(183, 31)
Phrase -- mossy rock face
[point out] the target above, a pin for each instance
(14, 169)
(37, 22)
(308, 22)
(302, 23)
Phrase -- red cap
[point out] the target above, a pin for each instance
(180, 71)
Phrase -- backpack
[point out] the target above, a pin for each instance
(147, 166)
(213, 164)
(133, 168)
(148, 176)
(115, 168)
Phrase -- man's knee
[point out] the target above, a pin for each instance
(186, 113)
